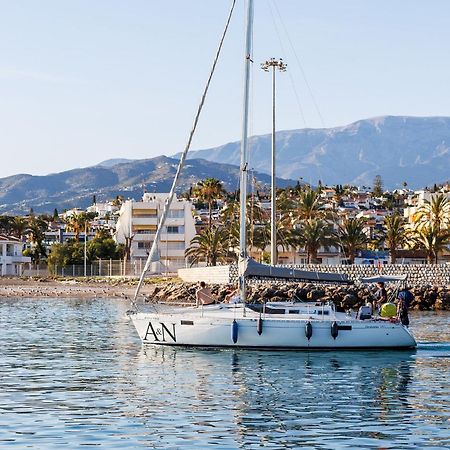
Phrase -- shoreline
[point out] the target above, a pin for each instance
(172, 290)
(45, 287)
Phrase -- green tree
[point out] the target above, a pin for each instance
(434, 212)
(77, 223)
(66, 254)
(209, 190)
(395, 234)
(262, 237)
(5, 224)
(210, 246)
(18, 226)
(313, 234)
(351, 236)
(103, 246)
(36, 236)
(377, 189)
(118, 200)
(308, 205)
(430, 239)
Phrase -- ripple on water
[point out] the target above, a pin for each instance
(73, 373)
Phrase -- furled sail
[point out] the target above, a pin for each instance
(249, 268)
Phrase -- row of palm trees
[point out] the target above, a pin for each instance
(303, 223)
(34, 228)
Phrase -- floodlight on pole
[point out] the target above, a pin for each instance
(85, 249)
(274, 65)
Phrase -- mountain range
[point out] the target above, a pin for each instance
(129, 178)
(415, 150)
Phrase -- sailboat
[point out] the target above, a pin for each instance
(273, 325)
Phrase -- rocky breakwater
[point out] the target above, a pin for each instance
(344, 297)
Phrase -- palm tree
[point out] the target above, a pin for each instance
(77, 224)
(230, 218)
(434, 212)
(36, 230)
(209, 190)
(351, 236)
(396, 234)
(308, 206)
(313, 234)
(5, 224)
(18, 226)
(211, 246)
(431, 240)
(262, 236)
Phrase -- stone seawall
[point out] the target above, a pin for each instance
(418, 274)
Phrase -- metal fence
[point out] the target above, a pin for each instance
(103, 268)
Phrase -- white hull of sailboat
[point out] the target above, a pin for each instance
(215, 328)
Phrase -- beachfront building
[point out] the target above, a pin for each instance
(105, 215)
(11, 259)
(137, 224)
(416, 200)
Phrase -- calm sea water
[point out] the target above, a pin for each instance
(73, 373)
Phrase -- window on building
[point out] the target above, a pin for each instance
(175, 229)
(172, 245)
(147, 244)
(176, 214)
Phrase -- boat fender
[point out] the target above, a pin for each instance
(234, 331)
(334, 330)
(308, 330)
(259, 326)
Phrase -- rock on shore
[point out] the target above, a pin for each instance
(171, 290)
(344, 297)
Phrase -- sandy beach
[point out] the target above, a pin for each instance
(80, 288)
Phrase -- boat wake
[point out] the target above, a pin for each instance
(434, 349)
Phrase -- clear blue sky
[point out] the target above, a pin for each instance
(85, 81)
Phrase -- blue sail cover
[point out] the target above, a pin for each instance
(249, 268)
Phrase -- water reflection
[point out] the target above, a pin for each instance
(293, 398)
(73, 373)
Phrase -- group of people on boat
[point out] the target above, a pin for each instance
(403, 300)
(204, 296)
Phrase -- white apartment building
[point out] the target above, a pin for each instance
(418, 199)
(139, 221)
(103, 209)
(11, 259)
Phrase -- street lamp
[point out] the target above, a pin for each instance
(85, 249)
(274, 65)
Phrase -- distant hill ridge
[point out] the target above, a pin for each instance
(399, 148)
(75, 188)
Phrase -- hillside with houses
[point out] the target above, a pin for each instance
(324, 225)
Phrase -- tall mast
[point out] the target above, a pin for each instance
(244, 146)
(273, 64)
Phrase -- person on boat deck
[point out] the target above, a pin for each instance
(233, 297)
(405, 297)
(380, 296)
(204, 295)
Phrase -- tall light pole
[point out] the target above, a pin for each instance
(85, 249)
(274, 65)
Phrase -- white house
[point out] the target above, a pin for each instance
(11, 259)
(138, 221)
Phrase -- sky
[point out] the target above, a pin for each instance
(86, 81)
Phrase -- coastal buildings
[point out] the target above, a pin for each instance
(137, 224)
(11, 259)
